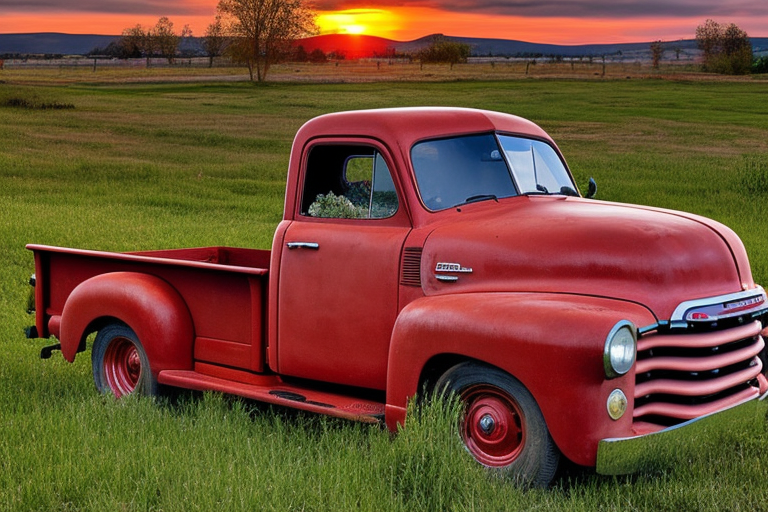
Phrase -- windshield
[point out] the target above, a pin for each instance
(536, 166)
(459, 170)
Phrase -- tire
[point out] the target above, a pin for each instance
(502, 426)
(120, 364)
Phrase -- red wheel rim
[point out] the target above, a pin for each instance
(493, 428)
(122, 366)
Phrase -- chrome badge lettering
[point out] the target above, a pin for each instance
(452, 267)
(743, 303)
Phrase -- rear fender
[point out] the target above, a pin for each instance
(552, 343)
(147, 304)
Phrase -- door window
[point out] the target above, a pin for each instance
(348, 182)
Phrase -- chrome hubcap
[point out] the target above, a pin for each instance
(487, 424)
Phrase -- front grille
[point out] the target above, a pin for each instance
(683, 376)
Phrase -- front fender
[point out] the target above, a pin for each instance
(147, 304)
(552, 343)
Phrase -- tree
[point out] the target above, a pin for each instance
(738, 49)
(657, 52)
(166, 41)
(262, 30)
(148, 42)
(725, 49)
(445, 51)
(137, 42)
(214, 40)
(708, 40)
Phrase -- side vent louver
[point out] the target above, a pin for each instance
(411, 275)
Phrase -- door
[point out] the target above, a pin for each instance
(339, 274)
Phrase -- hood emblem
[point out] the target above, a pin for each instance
(453, 268)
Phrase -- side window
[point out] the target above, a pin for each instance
(348, 182)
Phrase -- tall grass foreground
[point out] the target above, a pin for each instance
(146, 166)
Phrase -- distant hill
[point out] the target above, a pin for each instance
(53, 43)
(357, 46)
(351, 47)
(367, 46)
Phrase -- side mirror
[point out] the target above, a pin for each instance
(592, 189)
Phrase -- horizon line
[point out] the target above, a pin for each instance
(399, 41)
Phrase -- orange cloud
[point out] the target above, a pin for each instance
(418, 22)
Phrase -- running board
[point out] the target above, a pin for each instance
(272, 390)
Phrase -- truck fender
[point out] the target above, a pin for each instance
(147, 304)
(552, 343)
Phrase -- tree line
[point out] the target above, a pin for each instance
(256, 33)
(725, 49)
(259, 33)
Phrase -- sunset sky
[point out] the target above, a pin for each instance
(542, 21)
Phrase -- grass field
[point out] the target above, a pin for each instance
(159, 165)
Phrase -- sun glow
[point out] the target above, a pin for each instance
(357, 21)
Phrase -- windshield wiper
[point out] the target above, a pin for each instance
(480, 197)
(564, 190)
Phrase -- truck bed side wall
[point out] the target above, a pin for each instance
(226, 307)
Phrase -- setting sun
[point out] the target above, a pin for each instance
(357, 21)
(354, 29)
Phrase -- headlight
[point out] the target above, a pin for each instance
(620, 349)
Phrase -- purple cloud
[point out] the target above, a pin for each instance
(139, 7)
(611, 9)
(574, 8)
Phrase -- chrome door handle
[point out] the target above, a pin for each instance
(303, 245)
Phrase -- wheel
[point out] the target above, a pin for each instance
(502, 426)
(120, 365)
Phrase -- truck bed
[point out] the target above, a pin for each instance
(224, 288)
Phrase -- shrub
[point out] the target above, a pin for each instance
(760, 65)
(16, 102)
(332, 206)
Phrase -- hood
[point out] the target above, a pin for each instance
(657, 258)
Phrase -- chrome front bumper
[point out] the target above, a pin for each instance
(619, 456)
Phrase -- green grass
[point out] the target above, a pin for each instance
(148, 166)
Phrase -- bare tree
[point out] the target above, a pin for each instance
(214, 40)
(657, 52)
(263, 30)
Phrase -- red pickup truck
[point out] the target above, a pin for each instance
(438, 249)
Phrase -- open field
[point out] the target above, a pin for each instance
(131, 166)
(70, 71)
